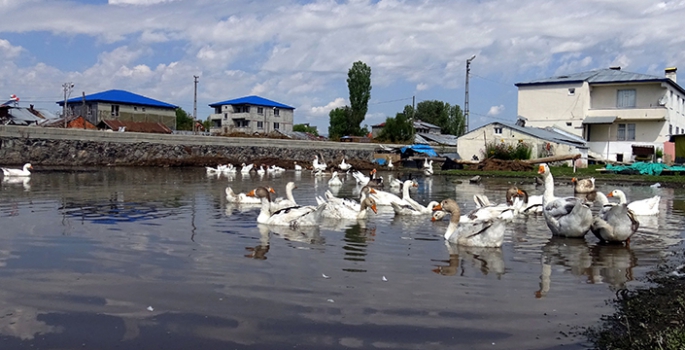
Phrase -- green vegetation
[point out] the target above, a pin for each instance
(398, 129)
(450, 119)
(347, 120)
(503, 151)
(306, 128)
(651, 317)
(659, 153)
(183, 120)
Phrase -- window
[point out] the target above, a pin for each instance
(225, 116)
(670, 129)
(498, 130)
(626, 132)
(569, 123)
(241, 123)
(625, 98)
(260, 110)
(260, 125)
(143, 108)
(115, 110)
(135, 108)
(571, 91)
(677, 130)
(276, 111)
(276, 126)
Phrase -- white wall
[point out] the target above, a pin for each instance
(549, 105)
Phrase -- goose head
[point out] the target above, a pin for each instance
(510, 194)
(290, 186)
(261, 192)
(438, 215)
(543, 169)
(369, 203)
(449, 205)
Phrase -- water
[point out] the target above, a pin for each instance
(113, 258)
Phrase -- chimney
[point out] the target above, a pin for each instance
(670, 73)
(615, 68)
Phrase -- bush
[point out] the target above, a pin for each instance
(503, 151)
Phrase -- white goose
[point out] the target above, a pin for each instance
(414, 207)
(390, 165)
(335, 180)
(344, 166)
(293, 216)
(527, 204)
(642, 207)
(298, 167)
(616, 224)
(18, 172)
(318, 166)
(363, 193)
(261, 170)
(428, 168)
(245, 169)
(387, 198)
(363, 179)
(243, 198)
(347, 212)
(566, 217)
(213, 171)
(288, 201)
(476, 233)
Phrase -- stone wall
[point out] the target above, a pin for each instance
(71, 147)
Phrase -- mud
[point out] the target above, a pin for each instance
(492, 164)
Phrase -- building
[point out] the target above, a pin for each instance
(544, 142)
(14, 115)
(123, 106)
(420, 127)
(614, 110)
(72, 122)
(251, 114)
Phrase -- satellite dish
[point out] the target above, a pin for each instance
(662, 101)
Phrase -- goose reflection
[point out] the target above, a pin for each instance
(303, 234)
(259, 251)
(18, 180)
(356, 240)
(612, 264)
(486, 260)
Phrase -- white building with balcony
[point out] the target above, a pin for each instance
(251, 114)
(613, 110)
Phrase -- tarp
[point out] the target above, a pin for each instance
(424, 149)
(644, 168)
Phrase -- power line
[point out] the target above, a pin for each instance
(382, 102)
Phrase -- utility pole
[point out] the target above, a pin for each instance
(466, 92)
(195, 103)
(67, 92)
(413, 107)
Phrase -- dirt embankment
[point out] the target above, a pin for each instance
(492, 164)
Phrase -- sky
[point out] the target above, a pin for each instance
(298, 52)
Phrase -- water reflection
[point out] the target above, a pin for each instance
(24, 181)
(485, 260)
(356, 242)
(304, 234)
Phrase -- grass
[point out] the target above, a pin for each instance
(650, 317)
(567, 173)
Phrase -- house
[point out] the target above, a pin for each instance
(250, 114)
(14, 115)
(614, 110)
(123, 106)
(72, 122)
(420, 127)
(544, 142)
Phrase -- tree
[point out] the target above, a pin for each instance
(306, 128)
(359, 86)
(450, 119)
(339, 123)
(398, 129)
(183, 120)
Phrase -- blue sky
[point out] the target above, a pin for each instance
(298, 52)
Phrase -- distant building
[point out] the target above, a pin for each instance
(123, 106)
(614, 110)
(251, 114)
(544, 142)
(72, 122)
(14, 115)
(425, 133)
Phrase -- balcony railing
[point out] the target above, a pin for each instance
(648, 113)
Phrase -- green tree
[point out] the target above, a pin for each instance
(398, 129)
(339, 123)
(306, 128)
(183, 120)
(359, 86)
(450, 119)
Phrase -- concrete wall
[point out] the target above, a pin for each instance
(57, 146)
(554, 105)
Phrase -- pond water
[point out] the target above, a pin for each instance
(113, 258)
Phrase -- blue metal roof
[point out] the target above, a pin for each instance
(602, 76)
(122, 97)
(251, 100)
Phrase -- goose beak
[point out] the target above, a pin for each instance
(375, 210)
(434, 219)
(541, 169)
(437, 207)
(519, 192)
(610, 194)
(251, 194)
(271, 190)
(574, 180)
(371, 190)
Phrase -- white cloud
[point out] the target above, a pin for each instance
(8, 51)
(324, 110)
(496, 110)
(421, 86)
(137, 2)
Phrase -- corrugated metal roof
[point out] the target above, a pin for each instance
(547, 134)
(599, 120)
(122, 97)
(251, 100)
(443, 139)
(157, 128)
(424, 124)
(602, 76)
(22, 116)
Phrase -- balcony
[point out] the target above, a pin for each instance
(646, 114)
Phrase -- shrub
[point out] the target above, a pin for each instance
(501, 150)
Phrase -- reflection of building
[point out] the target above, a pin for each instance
(251, 114)
(123, 106)
(612, 109)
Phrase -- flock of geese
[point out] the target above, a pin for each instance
(484, 226)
